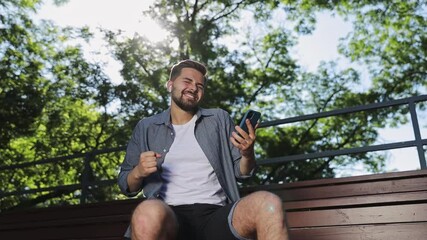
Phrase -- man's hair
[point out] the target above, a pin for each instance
(176, 69)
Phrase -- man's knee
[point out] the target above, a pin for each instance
(259, 204)
(256, 209)
(153, 219)
(151, 212)
(266, 201)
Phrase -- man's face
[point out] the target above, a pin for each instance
(187, 89)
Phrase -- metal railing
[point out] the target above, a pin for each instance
(88, 157)
(418, 142)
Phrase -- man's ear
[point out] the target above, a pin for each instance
(169, 85)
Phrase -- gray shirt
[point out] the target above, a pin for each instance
(213, 131)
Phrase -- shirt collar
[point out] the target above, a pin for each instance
(164, 117)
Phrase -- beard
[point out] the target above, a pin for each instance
(188, 105)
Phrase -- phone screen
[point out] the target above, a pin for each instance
(253, 117)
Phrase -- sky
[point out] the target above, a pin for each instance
(309, 52)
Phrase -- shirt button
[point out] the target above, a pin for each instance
(164, 150)
(172, 133)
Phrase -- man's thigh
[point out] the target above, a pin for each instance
(203, 222)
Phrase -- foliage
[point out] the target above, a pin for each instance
(56, 103)
(394, 46)
(21, 92)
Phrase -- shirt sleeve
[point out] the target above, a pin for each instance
(130, 161)
(235, 152)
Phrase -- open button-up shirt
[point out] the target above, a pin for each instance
(213, 130)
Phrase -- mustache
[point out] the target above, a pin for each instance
(193, 93)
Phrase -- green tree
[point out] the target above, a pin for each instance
(54, 103)
(261, 74)
(21, 89)
(196, 27)
(394, 46)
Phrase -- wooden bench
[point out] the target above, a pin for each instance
(107, 220)
(382, 206)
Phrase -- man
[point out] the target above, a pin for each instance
(186, 161)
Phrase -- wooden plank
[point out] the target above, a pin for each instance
(372, 200)
(364, 178)
(70, 212)
(101, 231)
(412, 231)
(84, 220)
(351, 189)
(355, 216)
(338, 181)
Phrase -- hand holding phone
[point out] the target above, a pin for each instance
(253, 117)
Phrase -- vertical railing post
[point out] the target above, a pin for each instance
(85, 177)
(417, 134)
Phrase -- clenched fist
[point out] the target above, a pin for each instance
(147, 164)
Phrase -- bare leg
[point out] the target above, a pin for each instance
(153, 219)
(260, 216)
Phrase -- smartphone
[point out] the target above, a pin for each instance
(253, 117)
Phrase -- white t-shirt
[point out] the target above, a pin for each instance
(187, 174)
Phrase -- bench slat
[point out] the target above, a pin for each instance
(354, 179)
(412, 231)
(352, 189)
(84, 220)
(70, 212)
(356, 216)
(114, 230)
(381, 199)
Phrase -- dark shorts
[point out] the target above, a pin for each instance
(204, 222)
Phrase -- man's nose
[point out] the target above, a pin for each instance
(192, 87)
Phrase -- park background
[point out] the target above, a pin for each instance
(82, 80)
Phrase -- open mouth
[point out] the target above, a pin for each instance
(190, 96)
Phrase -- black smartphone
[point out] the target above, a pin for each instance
(253, 117)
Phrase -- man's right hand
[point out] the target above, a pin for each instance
(146, 166)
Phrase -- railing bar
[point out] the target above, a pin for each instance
(417, 134)
(108, 150)
(48, 189)
(299, 157)
(343, 111)
(57, 159)
(65, 187)
(44, 161)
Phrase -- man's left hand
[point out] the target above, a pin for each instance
(244, 141)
